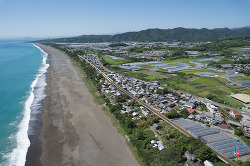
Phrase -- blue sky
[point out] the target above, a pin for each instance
(45, 18)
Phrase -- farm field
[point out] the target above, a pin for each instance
(188, 88)
(196, 71)
(143, 76)
(207, 81)
(114, 62)
(146, 66)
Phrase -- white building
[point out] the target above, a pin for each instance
(208, 163)
(211, 108)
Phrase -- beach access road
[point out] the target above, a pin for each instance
(75, 129)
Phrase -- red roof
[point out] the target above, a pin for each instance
(224, 125)
(190, 110)
(235, 112)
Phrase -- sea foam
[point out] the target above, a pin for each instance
(18, 156)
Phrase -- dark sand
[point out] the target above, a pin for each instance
(75, 130)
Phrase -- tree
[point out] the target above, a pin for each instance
(238, 132)
(172, 115)
(140, 135)
(130, 124)
(205, 153)
(156, 119)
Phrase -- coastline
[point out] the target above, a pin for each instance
(75, 130)
(34, 151)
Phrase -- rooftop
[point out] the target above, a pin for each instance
(235, 112)
(190, 110)
(242, 97)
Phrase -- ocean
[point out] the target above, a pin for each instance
(23, 68)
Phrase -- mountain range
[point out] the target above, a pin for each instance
(161, 35)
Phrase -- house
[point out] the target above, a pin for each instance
(129, 110)
(245, 122)
(137, 95)
(156, 126)
(169, 109)
(182, 102)
(155, 83)
(190, 116)
(190, 105)
(209, 116)
(205, 121)
(171, 104)
(200, 116)
(208, 163)
(153, 142)
(219, 119)
(213, 122)
(235, 113)
(135, 113)
(164, 101)
(161, 146)
(189, 156)
(118, 93)
(224, 126)
(148, 100)
(144, 112)
(188, 96)
(190, 110)
(192, 100)
(161, 105)
(211, 108)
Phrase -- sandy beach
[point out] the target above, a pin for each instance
(75, 130)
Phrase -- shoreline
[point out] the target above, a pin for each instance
(34, 151)
(75, 130)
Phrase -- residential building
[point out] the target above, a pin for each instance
(235, 113)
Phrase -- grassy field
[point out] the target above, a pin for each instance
(196, 71)
(207, 81)
(239, 89)
(147, 66)
(143, 76)
(231, 101)
(225, 89)
(151, 77)
(114, 62)
(187, 88)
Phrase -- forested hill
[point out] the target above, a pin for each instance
(161, 35)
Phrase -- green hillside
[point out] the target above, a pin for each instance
(161, 35)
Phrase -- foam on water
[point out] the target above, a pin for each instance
(18, 156)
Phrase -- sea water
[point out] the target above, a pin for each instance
(23, 68)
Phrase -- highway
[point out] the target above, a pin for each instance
(154, 111)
